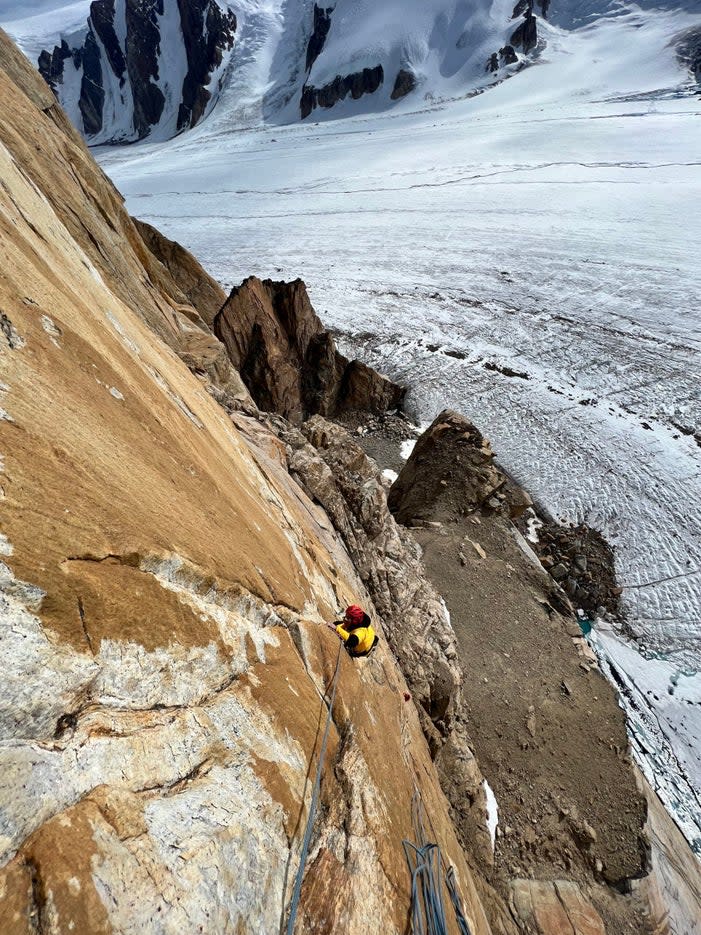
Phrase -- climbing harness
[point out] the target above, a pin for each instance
(428, 875)
(297, 891)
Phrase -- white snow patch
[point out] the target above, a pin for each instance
(406, 448)
(492, 812)
(533, 524)
(446, 612)
(390, 475)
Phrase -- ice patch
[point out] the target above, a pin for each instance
(492, 812)
(115, 392)
(533, 524)
(406, 448)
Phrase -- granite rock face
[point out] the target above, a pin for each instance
(357, 84)
(555, 908)
(336, 473)
(198, 287)
(287, 360)
(163, 589)
(141, 65)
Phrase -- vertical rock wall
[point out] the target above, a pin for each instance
(163, 588)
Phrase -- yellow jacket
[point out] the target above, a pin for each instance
(365, 635)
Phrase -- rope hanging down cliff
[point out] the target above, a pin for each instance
(428, 874)
(297, 891)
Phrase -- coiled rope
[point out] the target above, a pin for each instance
(428, 875)
(297, 891)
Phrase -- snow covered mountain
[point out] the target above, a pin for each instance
(139, 67)
(301, 57)
(127, 69)
(318, 60)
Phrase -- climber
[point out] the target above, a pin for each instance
(355, 630)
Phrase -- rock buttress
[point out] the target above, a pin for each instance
(287, 360)
(163, 589)
(545, 724)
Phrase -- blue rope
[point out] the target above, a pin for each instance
(452, 885)
(296, 893)
(426, 867)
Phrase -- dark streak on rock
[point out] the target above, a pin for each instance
(37, 913)
(81, 613)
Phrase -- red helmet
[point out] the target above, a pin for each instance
(355, 615)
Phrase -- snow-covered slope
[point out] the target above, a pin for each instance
(298, 57)
(126, 69)
(140, 64)
(320, 60)
(548, 226)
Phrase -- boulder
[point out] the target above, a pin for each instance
(404, 84)
(508, 55)
(454, 450)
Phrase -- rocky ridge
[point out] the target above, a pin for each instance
(538, 709)
(288, 361)
(141, 65)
